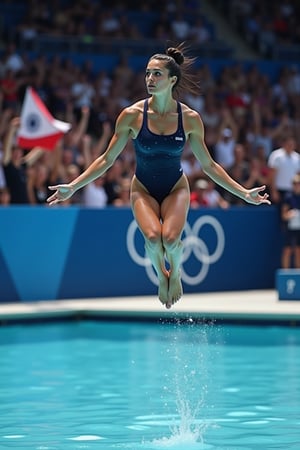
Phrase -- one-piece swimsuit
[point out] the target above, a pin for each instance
(158, 157)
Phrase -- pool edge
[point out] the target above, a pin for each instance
(236, 307)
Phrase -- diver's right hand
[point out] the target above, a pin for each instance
(62, 193)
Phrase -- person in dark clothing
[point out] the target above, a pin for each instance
(291, 233)
(15, 165)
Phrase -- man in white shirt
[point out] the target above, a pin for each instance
(284, 164)
(94, 195)
(224, 148)
(12, 60)
(82, 92)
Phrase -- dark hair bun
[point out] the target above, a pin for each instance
(176, 54)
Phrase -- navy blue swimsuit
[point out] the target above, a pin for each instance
(158, 157)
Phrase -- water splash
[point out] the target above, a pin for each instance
(168, 443)
(188, 388)
(182, 440)
(188, 426)
(179, 443)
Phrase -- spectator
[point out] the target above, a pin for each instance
(240, 166)
(211, 114)
(162, 27)
(267, 40)
(195, 101)
(258, 172)
(123, 198)
(42, 174)
(9, 87)
(199, 32)
(239, 170)
(5, 118)
(109, 25)
(280, 25)
(12, 59)
(4, 196)
(71, 152)
(38, 184)
(102, 84)
(180, 27)
(293, 82)
(27, 31)
(2, 176)
(94, 195)
(191, 166)
(204, 194)
(224, 148)
(113, 179)
(71, 171)
(286, 8)
(265, 133)
(83, 92)
(279, 88)
(197, 197)
(284, 164)
(252, 28)
(123, 72)
(213, 197)
(15, 165)
(238, 100)
(290, 214)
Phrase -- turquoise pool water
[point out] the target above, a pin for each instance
(129, 385)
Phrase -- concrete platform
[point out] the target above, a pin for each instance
(239, 306)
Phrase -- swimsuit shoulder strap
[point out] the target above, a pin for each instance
(179, 111)
(145, 106)
(145, 110)
(145, 119)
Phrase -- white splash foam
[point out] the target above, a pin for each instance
(180, 442)
(177, 440)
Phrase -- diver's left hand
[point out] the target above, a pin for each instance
(254, 197)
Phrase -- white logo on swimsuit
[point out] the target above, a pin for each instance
(192, 244)
(178, 138)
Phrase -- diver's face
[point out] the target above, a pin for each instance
(157, 77)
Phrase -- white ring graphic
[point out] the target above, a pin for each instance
(192, 244)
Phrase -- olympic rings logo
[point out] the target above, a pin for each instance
(192, 245)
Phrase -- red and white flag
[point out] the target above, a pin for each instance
(38, 127)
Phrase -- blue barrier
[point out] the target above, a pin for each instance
(60, 253)
(108, 62)
(288, 284)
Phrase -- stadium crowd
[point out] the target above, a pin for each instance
(265, 25)
(246, 115)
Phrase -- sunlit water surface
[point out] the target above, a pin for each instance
(142, 386)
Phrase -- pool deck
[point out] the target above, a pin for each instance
(262, 306)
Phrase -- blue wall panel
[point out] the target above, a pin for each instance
(71, 252)
(8, 291)
(98, 263)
